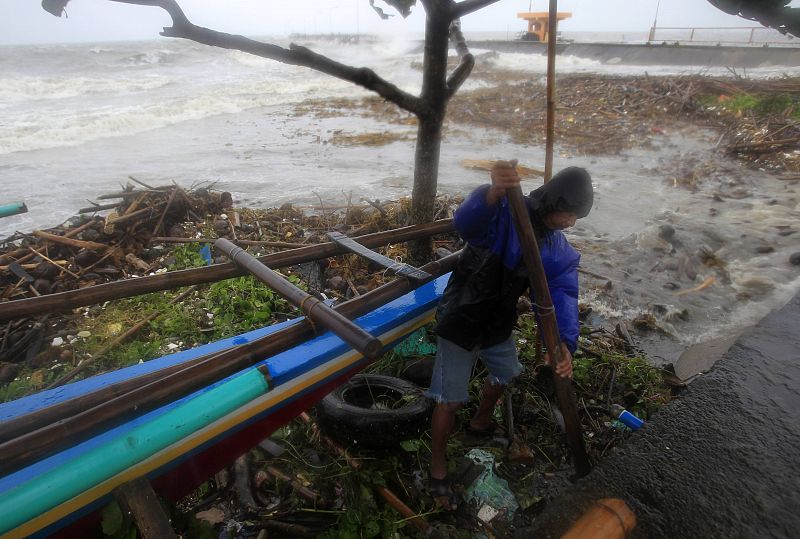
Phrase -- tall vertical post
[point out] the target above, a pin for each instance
(552, 22)
(548, 328)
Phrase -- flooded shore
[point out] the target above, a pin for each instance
(685, 243)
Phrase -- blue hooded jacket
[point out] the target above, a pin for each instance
(479, 305)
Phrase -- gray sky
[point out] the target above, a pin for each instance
(25, 22)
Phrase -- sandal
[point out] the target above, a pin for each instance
(442, 493)
(492, 430)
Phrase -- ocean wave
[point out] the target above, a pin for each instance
(537, 63)
(50, 127)
(149, 57)
(27, 88)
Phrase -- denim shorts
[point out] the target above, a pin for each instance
(453, 368)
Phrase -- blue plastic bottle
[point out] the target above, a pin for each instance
(626, 418)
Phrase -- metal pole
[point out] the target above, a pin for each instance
(652, 35)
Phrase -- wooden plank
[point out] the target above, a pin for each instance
(138, 498)
(400, 268)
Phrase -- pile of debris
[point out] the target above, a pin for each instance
(159, 229)
(91, 250)
(759, 120)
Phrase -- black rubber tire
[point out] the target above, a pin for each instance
(419, 371)
(347, 414)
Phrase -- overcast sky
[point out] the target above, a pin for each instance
(25, 22)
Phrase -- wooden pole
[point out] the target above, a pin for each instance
(548, 327)
(313, 308)
(66, 301)
(138, 498)
(552, 22)
(48, 430)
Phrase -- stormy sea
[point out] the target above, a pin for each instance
(77, 120)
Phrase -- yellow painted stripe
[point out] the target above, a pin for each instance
(170, 453)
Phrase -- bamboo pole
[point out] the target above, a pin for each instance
(552, 21)
(313, 308)
(262, 243)
(66, 301)
(69, 422)
(549, 327)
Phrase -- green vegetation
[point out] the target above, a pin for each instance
(213, 312)
(744, 104)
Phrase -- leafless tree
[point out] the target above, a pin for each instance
(430, 106)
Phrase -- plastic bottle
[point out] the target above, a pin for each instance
(625, 417)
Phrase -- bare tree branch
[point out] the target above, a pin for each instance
(464, 68)
(468, 6)
(170, 6)
(295, 54)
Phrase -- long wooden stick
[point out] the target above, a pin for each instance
(78, 244)
(66, 301)
(549, 327)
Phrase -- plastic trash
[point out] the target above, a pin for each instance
(490, 491)
(205, 252)
(625, 417)
(416, 345)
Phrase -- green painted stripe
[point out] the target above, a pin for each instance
(45, 492)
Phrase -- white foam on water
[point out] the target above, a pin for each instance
(537, 63)
(55, 126)
(18, 89)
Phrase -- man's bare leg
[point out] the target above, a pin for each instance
(491, 394)
(442, 422)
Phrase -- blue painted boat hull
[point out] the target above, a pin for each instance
(302, 376)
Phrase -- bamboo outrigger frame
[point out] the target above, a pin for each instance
(49, 429)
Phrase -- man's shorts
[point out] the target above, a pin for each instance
(453, 368)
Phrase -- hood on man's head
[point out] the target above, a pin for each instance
(569, 190)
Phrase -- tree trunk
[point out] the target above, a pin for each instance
(429, 134)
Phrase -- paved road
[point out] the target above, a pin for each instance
(723, 460)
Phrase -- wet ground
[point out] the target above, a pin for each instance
(721, 461)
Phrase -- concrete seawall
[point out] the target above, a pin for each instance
(719, 461)
(688, 55)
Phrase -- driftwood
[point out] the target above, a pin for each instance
(63, 240)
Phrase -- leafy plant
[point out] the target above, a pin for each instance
(244, 304)
(187, 256)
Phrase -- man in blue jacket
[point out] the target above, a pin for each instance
(479, 306)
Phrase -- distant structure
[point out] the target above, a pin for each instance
(537, 23)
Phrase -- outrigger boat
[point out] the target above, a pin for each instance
(57, 473)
